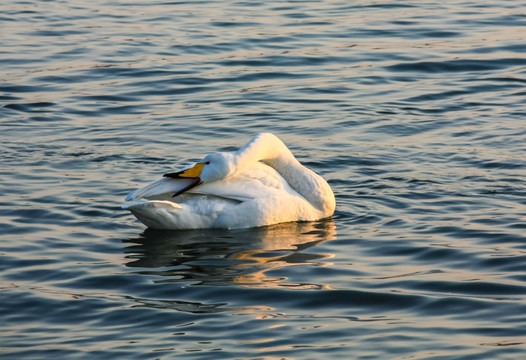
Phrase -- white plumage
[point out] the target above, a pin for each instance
(260, 184)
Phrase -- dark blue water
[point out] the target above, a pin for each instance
(415, 112)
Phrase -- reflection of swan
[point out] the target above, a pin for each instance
(239, 257)
(260, 184)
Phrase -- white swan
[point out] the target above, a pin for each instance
(260, 184)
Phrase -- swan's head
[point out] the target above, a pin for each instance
(214, 167)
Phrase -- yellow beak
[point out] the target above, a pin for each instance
(193, 172)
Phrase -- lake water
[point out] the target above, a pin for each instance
(414, 111)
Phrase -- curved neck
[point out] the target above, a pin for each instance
(272, 151)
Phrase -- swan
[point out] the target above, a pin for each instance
(260, 184)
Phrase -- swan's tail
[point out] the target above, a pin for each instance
(160, 189)
(168, 215)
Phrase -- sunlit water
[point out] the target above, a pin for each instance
(414, 112)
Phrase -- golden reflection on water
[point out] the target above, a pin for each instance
(241, 257)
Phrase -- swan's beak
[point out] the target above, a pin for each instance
(191, 173)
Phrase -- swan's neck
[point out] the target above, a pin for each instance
(273, 152)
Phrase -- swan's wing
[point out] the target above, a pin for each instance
(260, 181)
(164, 189)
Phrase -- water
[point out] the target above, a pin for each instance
(413, 111)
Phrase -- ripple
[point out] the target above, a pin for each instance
(460, 65)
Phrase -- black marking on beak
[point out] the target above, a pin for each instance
(176, 175)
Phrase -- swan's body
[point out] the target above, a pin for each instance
(260, 184)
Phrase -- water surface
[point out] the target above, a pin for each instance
(413, 111)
